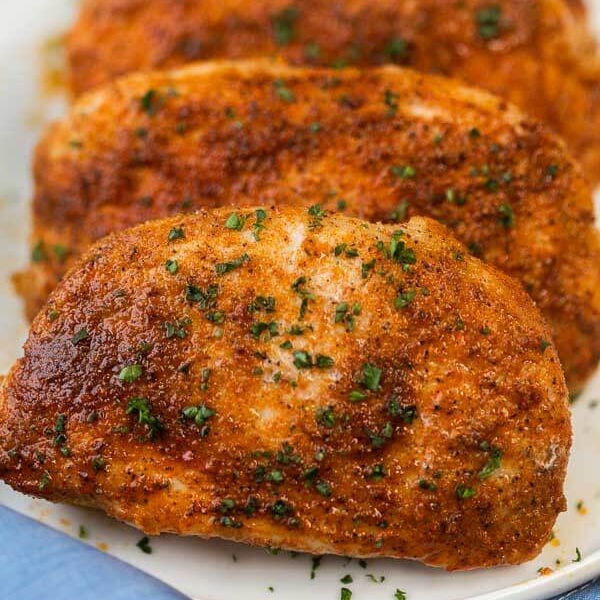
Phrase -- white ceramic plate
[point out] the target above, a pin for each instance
(207, 570)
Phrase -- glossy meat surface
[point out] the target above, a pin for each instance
(536, 53)
(296, 379)
(383, 145)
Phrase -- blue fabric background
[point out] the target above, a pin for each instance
(38, 563)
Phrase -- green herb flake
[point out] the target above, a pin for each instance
(399, 595)
(80, 336)
(98, 463)
(130, 373)
(405, 298)
(488, 20)
(404, 171)
(371, 377)
(397, 48)
(144, 545)
(325, 417)
(284, 23)
(464, 493)
(346, 579)
(83, 533)
(228, 267)
(172, 266)
(506, 216)
(235, 222)
(493, 463)
(283, 92)
(176, 233)
(391, 101)
(345, 594)
(141, 406)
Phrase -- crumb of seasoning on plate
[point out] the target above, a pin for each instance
(581, 508)
(103, 546)
(543, 571)
(271, 588)
(83, 532)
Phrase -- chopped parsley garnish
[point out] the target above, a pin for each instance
(349, 251)
(366, 268)
(391, 101)
(284, 25)
(464, 493)
(59, 430)
(38, 254)
(283, 92)
(552, 171)
(345, 315)
(281, 508)
(405, 298)
(151, 102)
(130, 373)
(377, 472)
(303, 360)
(371, 377)
(205, 298)
(83, 533)
(401, 211)
(235, 222)
(427, 485)
(200, 415)
(141, 406)
(400, 411)
(144, 545)
(98, 463)
(262, 303)
(577, 556)
(378, 440)
(357, 396)
(317, 214)
(316, 563)
(177, 329)
(325, 417)
(397, 48)
(323, 488)
(404, 172)
(258, 226)
(506, 216)
(346, 579)
(81, 335)
(271, 329)
(544, 345)
(44, 481)
(172, 266)
(493, 463)
(176, 233)
(399, 595)
(227, 267)
(398, 251)
(345, 594)
(487, 20)
(60, 252)
(299, 287)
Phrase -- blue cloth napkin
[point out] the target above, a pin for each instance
(38, 563)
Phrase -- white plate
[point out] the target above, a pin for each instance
(206, 569)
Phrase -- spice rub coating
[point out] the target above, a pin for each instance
(539, 54)
(296, 379)
(382, 145)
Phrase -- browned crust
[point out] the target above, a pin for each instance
(469, 352)
(541, 54)
(219, 134)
